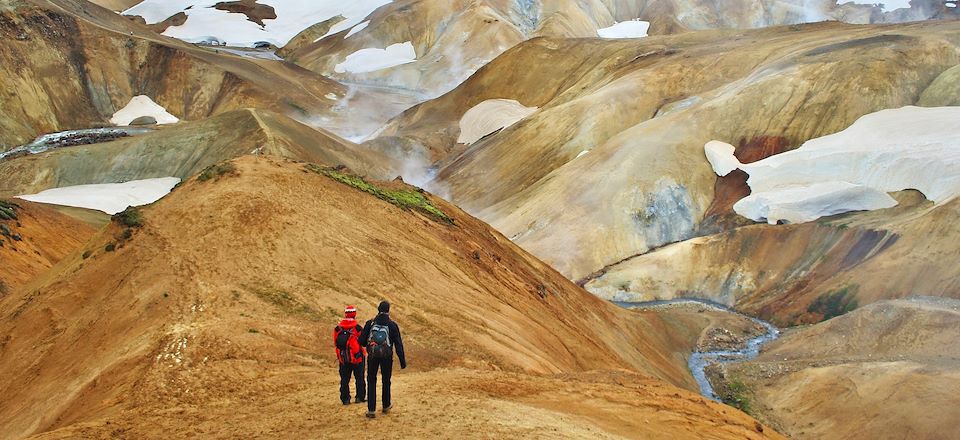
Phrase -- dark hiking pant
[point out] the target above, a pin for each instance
(386, 370)
(356, 370)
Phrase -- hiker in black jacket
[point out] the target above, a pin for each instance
(380, 336)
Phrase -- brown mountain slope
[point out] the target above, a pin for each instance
(217, 312)
(116, 5)
(34, 241)
(643, 110)
(56, 83)
(782, 272)
(184, 150)
(453, 38)
(888, 370)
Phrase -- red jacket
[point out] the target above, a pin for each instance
(354, 346)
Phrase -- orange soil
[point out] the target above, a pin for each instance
(214, 318)
(48, 237)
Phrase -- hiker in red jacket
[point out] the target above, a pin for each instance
(346, 338)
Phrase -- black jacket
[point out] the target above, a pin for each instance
(395, 340)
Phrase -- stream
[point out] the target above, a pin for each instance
(700, 360)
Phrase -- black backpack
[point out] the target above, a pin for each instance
(378, 342)
(348, 346)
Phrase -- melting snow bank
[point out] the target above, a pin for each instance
(142, 105)
(372, 59)
(71, 138)
(205, 22)
(489, 116)
(853, 170)
(625, 29)
(700, 360)
(110, 198)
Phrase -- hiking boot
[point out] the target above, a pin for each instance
(387, 409)
(371, 414)
(359, 400)
(346, 402)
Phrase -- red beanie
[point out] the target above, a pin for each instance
(350, 312)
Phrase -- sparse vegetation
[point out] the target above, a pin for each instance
(287, 303)
(253, 330)
(836, 303)
(216, 171)
(403, 198)
(87, 254)
(130, 217)
(296, 106)
(8, 210)
(110, 247)
(736, 395)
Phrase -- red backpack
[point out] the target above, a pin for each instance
(348, 345)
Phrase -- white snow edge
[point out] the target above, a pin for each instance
(373, 59)
(854, 169)
(625, 29)
(489, 116)
(142, 105)
(110, 198)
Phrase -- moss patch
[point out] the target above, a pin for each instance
(8, 210)
(130, 217)
(216, 171)
(736, 394)
(836, 303)
(403, 198)
(286, 303)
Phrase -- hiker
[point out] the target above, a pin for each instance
(380, 336)
(350, 353)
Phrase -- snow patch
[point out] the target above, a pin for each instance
(625, 29)
(142, 105)
(205, 22)
(372, 59)
(854, 169)
(356, 29)
(887, 5)
(721, 158)
(489, 116)
(110, 198)
(582, 153)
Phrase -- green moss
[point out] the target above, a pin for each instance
(296, 107)
(8, 210)
(404, 198)
(286, 303)
(737, 396)
(836, 303)
(130, 217)
(216, 170)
